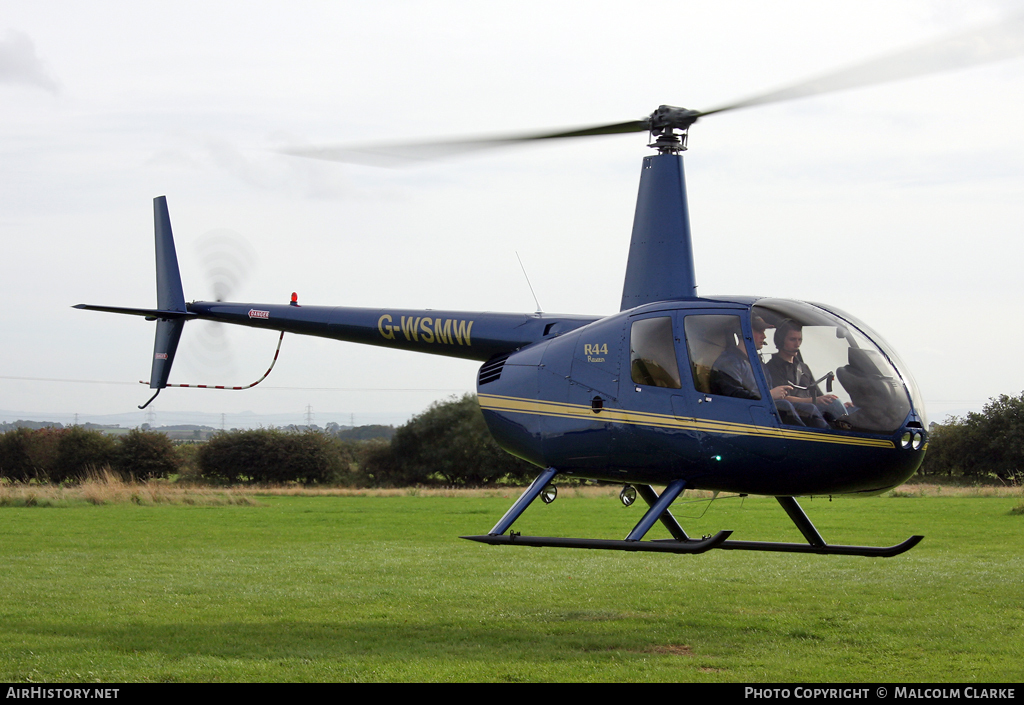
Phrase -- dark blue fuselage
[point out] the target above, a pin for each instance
(572, 403)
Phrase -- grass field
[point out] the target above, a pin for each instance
(379, 588)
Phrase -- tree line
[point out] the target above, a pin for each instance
(980, 446)
(448, 444)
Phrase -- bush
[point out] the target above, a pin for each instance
(448, 443)
(80, 452)
(188, 463)
(271, 457)
(145, 455)
(27, 454)
(54, 455)
(370, 462)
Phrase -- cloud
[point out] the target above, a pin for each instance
(20, 64)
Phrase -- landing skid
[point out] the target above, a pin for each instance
(827, 549)
(697, 546)
(680, 543)
(660, 546)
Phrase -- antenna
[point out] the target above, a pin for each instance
(528, 282)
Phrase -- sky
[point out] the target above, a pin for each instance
(901, 203)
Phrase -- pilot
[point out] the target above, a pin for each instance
(733, 375)
(787, 367)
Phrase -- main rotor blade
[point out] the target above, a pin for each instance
(400, 153)
(994, 42)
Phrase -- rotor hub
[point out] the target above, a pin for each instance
(668, 126)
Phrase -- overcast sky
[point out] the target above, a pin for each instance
(900, 203)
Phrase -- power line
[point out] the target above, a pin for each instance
(313, 389)
(74, 381)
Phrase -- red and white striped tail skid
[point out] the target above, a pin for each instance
(221, 386)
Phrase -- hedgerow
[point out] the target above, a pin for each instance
(269, 456)
(72, 454)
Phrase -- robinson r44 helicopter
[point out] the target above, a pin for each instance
(671, 390)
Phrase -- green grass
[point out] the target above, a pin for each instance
(332, 588)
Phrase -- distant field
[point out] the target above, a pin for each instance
(379, 588)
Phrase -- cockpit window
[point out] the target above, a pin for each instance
(908, 379)
(718, 358)
(652, 353)
(836, 376)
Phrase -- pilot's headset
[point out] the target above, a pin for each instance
(782, 330)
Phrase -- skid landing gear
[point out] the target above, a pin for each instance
(680, 542)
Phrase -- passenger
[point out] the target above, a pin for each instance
(733, 375)
(787, 367)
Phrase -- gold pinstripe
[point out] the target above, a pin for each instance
(519, 405)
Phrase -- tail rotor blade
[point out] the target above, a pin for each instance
(227, 261)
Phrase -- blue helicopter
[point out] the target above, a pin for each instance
(734, 394)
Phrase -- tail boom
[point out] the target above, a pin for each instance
(463, 334)
(468, 335)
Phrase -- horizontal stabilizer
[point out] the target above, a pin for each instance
(150, 313)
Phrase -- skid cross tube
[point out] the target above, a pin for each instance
(524, 501)
(658, 508)
(799, 517)
(650, 495)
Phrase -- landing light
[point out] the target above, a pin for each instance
(548, 494)
(912, 440)
(628, 495)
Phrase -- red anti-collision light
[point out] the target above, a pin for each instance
(295, 299)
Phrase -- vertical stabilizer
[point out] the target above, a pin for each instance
(168, 332)
(660, 265)
(169, 296)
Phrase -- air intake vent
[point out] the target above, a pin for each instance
(491, 370)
